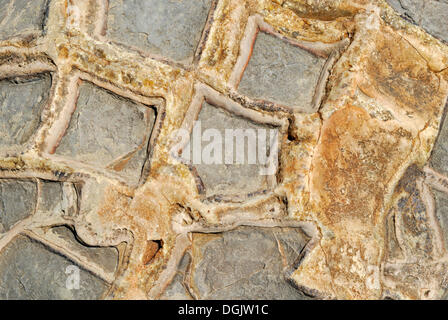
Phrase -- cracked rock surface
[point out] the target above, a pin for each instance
(100, 102)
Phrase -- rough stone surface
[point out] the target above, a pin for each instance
(247, 263)
(29, 270)
(442, 212)
(17, 201)
(429, 14)
(353, 171)
(21, 17)
(21, 103)
(439, 156)
(221, 179)
(280, 72)
(169, 28)
(105, 257)
(177, 289)
(123, 133)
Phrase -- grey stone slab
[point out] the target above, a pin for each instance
(21, 17)
(439, 156)
(17, 201)
(428, 14)
(219, 178)
(434, 19)
(246, 263)
(57, 199)
(106, 257)
(108, 131)
(31, 271)
(280, 72)
(169, 28)
(21, 103)
(176, 290)
(442, 212)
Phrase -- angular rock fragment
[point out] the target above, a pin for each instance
(17, 201)
(428, 14)
(439, 156)
(30, 270)
(169, 28)
(224, 176)
(282, 73)
(22, 100)
(246, 263)
(442, 212)
(177, 290)
(108, 131)
(57, 199)
(21, 17)
(104, 257)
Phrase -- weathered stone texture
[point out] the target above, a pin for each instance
(221, 179)
(22, 277)
(21, 17)
(119, 141)
(281, 72)
(246, 263)
(439, 156)
(21, 103)
(177, 289)
(17, 201)
(429, 14)
(169, 28)
(442, 212)
(106, 257)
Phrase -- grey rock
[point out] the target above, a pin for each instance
(221, 179)
(281, 73)
(57, 199)
(246, 263)
(439, 156)
(106, 257)
(108, 131)
(31, 271)
(17, 201)
(442, 212)
(176, 290)
(21, 103)
(21, 17)
(169, 28)
(428, 14)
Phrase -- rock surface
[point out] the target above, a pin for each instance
(429, 14)
(17, 201)
(20, 270)
(21, 103)
(21, 17)
(168, 28)
(280, 72)
(123, 134)
(219, 176)
(354, 210)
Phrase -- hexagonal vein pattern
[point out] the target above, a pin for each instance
(21, 102)
(21, 276)
(281, 72)
(21, 17)
(108, 131)
(169, 28)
